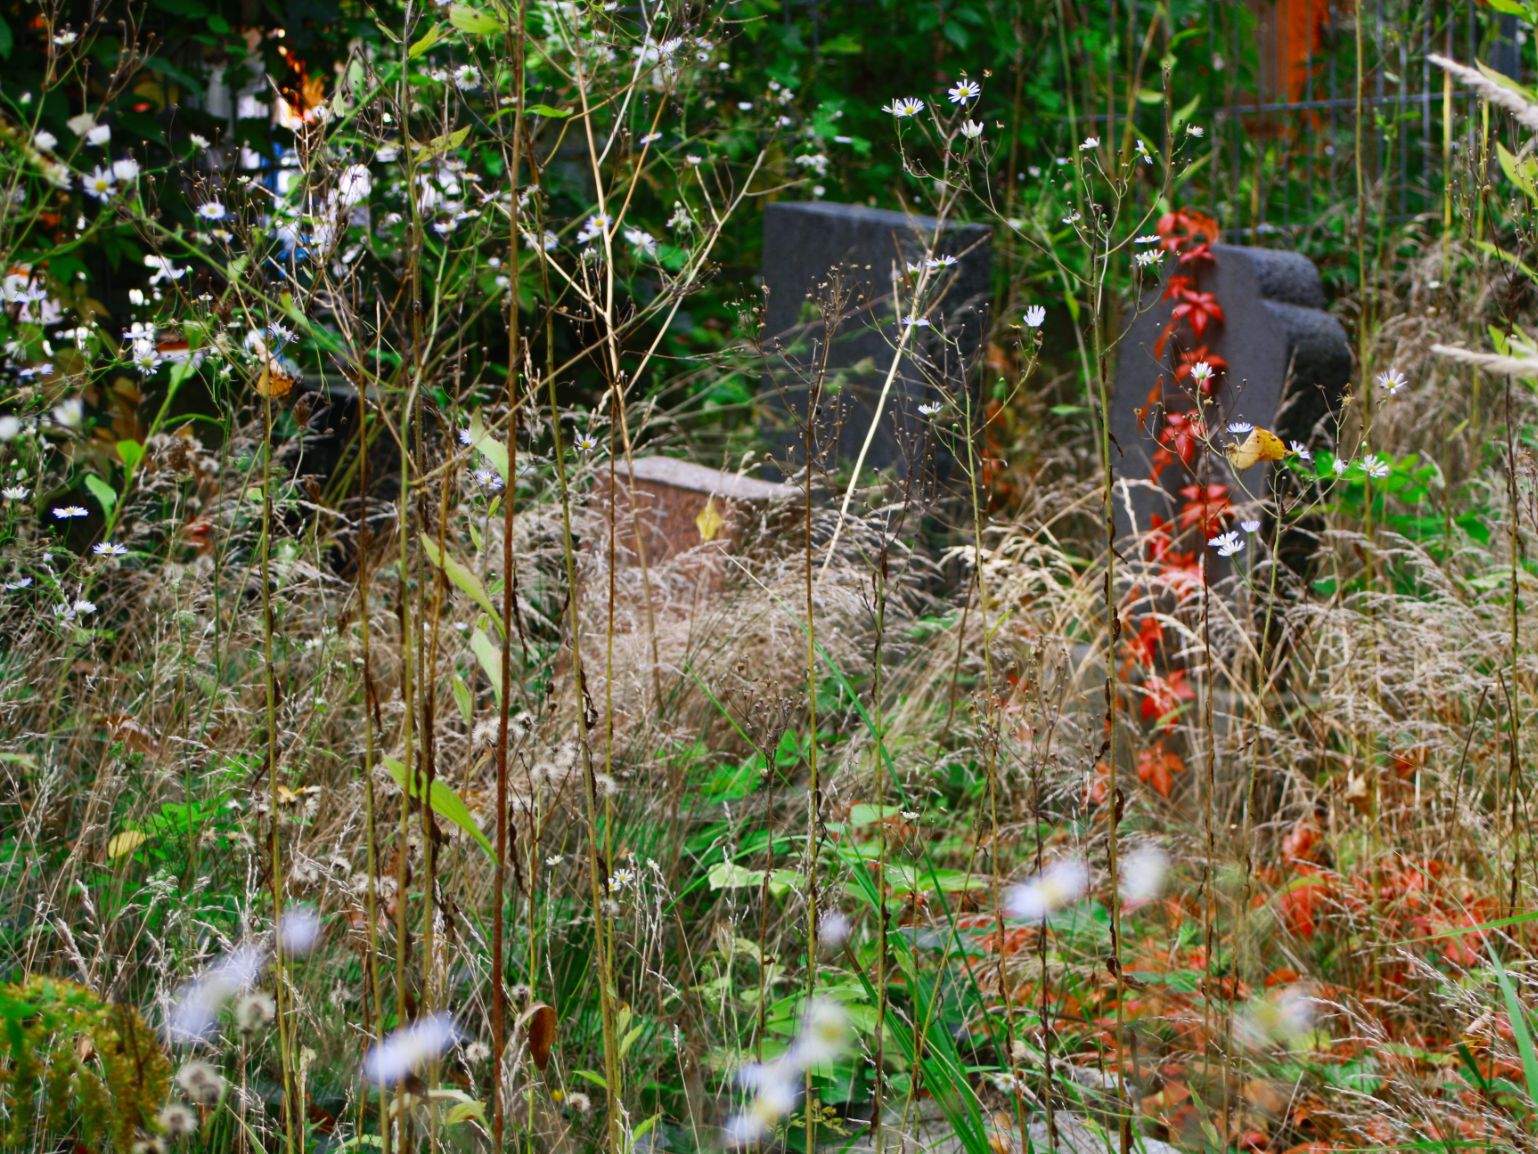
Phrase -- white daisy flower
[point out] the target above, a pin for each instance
(905, 107)
(1034, 316)
(1227, 544)
(964, 91)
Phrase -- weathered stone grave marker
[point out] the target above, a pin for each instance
(1288, 365)
(667, 507)
(868, 250)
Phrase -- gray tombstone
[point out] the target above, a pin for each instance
(1288, 365)
(818, 253)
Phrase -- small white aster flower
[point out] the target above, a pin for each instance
(211, 210)
(1146, 238)
(45, 140)
(467, 78)
(1250, 525)
(940, 261)
(964, 91)
(585, 442)
(82, 608)
(1058, 885)
(1090, 144)
(971, 129)
(69, 412)
(1148, 257)
(1227, 544)
(1374, 466)
(109, 549)
(929, 409)
(1201, 372)
(651, 138)
(65, 39)
(1340, 465)
(1237, 428)
(1073, 218)
(67, 512)
(99, 136)
(915, 322)
(1301, 451)
(1196, 130)
(14, 492)
(905, 107)
(824, 1035)
(1034, 316)
(1392, 380)
(126, 170)
(98, 183)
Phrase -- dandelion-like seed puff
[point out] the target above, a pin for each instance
(408, 1049)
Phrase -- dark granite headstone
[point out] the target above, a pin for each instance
(1288, 365)
(815, 253)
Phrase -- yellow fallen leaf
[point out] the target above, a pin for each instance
(123, 844)
(1260, 445)
(709, 522)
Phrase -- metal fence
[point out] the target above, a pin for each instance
(1359, 89)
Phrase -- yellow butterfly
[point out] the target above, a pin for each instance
(1260, 445)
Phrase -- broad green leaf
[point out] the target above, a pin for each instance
(461, 578)
(489, 447)
(443, 801)
(474, 22)
(130, 453)
(490, 659)
(548, 111)
(434, 34)
(449, 140)
(105, 494)
(462, 698)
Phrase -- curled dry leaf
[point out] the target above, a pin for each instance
(538, 1024)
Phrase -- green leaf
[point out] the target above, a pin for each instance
(462, 698)
(105, 494)
(7, 41)
(447, 141)
(474, 22)
(548, 111)
(1516, 1013)
(130, 453)
(490, 659)
(489, 447)
(424, 43)
(461, 578)
(443, 801)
